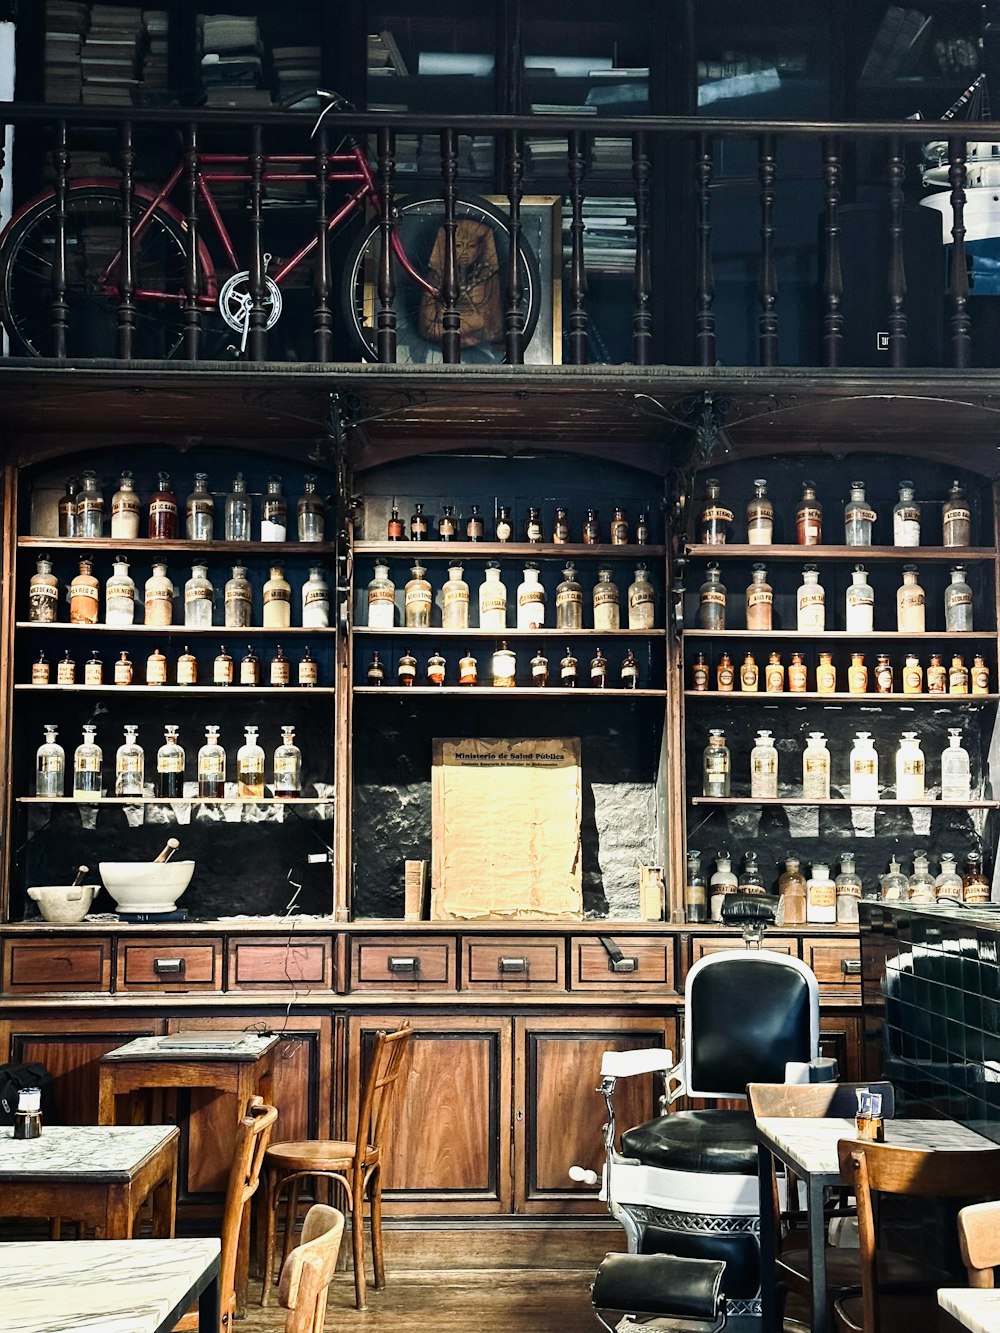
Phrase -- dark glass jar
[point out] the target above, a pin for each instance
(163, 510)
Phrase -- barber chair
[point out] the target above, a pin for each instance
(659, 1294)
(685, 1183)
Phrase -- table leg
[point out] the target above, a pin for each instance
(817, 1254)
(165, 1202)
(768, 1242)
(106, 1098)
(208, 1307)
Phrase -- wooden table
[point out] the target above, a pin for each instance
(107, 1286)
(964, 1307)
(99, 1175)
(809, 1147)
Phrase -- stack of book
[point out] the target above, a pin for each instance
(608, 234)
(611, 155)
(110, 54)
(232, 70)
(296, 70)
(154, 60)
(65, 25)
(897, 44)
(384, 56)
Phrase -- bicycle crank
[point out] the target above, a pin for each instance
(235, 303)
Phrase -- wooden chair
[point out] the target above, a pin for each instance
(306, 1273)
(979, 1239)
(253, 1133)
(872, 1168)
(355, 1165)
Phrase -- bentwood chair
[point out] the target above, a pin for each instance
(308, 1270)
(353, 1164)
(979, 1239)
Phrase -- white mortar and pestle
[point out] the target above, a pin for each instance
(148, 886)
(64, 904)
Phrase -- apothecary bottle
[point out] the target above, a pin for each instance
(859, 517)
(89, 507)
(913, 675)
(956, 772)
(50, 765)
(124, 670)
(884, 675)
(280, 670)
(436, 667)
(455, 600)
(591, 528)
(956, 518)
(764, 768)
(533, 525)
(237, 511)
(906, 517)
(375, 672)
(125, 510)
(83, 596)
(156, 668)
(716, 765)
(530, 600)
(895, 885)
(921, 887)
(417, 600)
(492, 599)
(721, 885)
(504, 667)
(159, 596)
(394, 527)
(238, 599)
(187, 668)
(760, 516)
(760, 600)
(619, 527)
(641, 529)
(975, 886)
(504, 528)
(277, 600)
(475, 528)
(66, 509)
(629, 674)
(93, 670)
(958, 676)
(910, 603)
(43, 593)
(274, 513)
(309, 519)
(810, 603)
(250, 767)
(948, 882)
(792, 893)
(699, 673)
(774, 675)
(598, 670)
(864, 768)
(381, 599)
(725, 675)
(641, 600)
(750, 880)
(607, 614)
(695, 890)
(857, 675)
(937, 676)
(958, 603)
(809, 517)
(909, 768)
(826, 675)
(316, 600)
(406, 669)
(716, 519)
(539, 669)
(199, 511)
(569, 600)
(848, 887)
(816, 768)
(170, 760)
(40, 670)
(447, 524)
(560, 526)
(468, 670)
(198, 593)
(211, 766)
(163, 510)
(308, 669)
(287, 767)
(712, 601)
(859, 603)
(129, 765)
(222, 668)
(798, 675)
(119, 594)
(821, 895)
(87, 760)
(568, 670)
(979, 675)
(749, 674)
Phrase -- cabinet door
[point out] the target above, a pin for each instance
(840, 1036)
(557, 1113)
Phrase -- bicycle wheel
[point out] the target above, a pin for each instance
(483, 248)
(93, 238)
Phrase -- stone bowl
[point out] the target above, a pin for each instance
(64, 903)
(146, 886)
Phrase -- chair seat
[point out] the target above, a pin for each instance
(314, 1155)
(716, 1142)
(843, 1271)
(910, 1312)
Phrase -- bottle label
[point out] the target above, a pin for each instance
(727, 676)
(125, 503)
(452, 596)
(823, 894)
(976, 891)
(716, 514)
(159, 593)
(88, 763)
(980, 677)
(569, 597)
(542, 669)
(883, 679)
(748, 677)
(50, 763)
(123, 673)
(197, 592)
(958, 680)
(280, 674)
(826, 679)
(619, 532)
(630, 671)
(911, 598)
(960, 598)
(129, 763)
(493, 604)
(937, 680)
(863, 768)
(503, 666)
(90, 505)
(859, 514)
(420, 597)
(568, 672)
(774, 679)
(606, 594)
(308, 673)
(797, 678)
(276, 594)
(758, 596)
(211, 767)
(120, 590)
(40, 673)
(156, 671)
(170, 763)
(911, 768)
(93, 673)
(86, 592)
(815, 765)
(808, 522)
(860, 596)
(760, 512)
(406, 671)
(710, 597)
(956, 514)
(811, 597)
(187, 670)
(284, 766)
(222, 672)
(66, 673)
(716, 762)
(249, 674)
(158, 507)
(912, 680)
(699, 678)
(533, 597)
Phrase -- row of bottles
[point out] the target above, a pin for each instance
(418, 600)
(910, 768)
(773, 677)
(504, 670)
(450, 526)
(187, 672)
(159, 594)
(130, 766)
(82, 511)
(716, 520)
(859, 602)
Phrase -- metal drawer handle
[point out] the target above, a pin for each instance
(169, 967)
(404, 964)
(623, 964)
(851, 967)
(512, 964)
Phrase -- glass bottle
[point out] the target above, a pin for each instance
(274, 513)
(826, 675)
(308, 670)
(857, 675)
(885, 681)
(539, 669)
(591, 529)
(906, 517)
(130, 764)
(716, 519)
(716, 765)
(560, 526)
(417, 599)
(455, 600)
(375, 673)
(749, 674)
(406, 670)
(156, 668)
(316, 600)
(159, 597)
(250, 668)
(211, 766)
(979, 675)
(280, 672)
(764, 768)
(238, 511)
(93, 670)
(699, 673)
(937, 676)
(809, 517)
(864, 768)
(798, 676)
(198, 594)
(531, 600)
(170, 765)
(641, 601)
(569, 600)
(124, 670)
(504, 525)
(187, 668)
(913, 675)
(50, 765)
(381, 598)
(40, 670)
(948, 883)
(910, 603)
(475, 528)
(83, 596)
(858, 517)
(598, 670)
(119, 594)
(277, 600)
(607, 615)
(394, 527)
(619, 527)
(909, 768)
(760, 516)
(760, 600)
(774, 675)
(309, 519)
(43, 593)
(958, 603)
(568, 670)
(447, 524)
(859, 608)
(921, 886)
(199, 511)
(287, 767)
(250, 767)
(468, 670)
(810, 603)
(492, 599)
(87, 760)
(419, 526)
(956, 772)
(895, 885)
(89, 507)
(125, 510)
(629, 674)
(792, 892)
(750, 880)
(695, 890)
(533, 525)
(504, 667)
(435, 669)
(821, 895)
(848, 887)
(67, 508)
(722, 883)
(975, 886)
(238, 599)
(712, 601)
(163, 510)
(222, 668)
(641, 529)
(725, 675)
(816, 768)
(956, 518)
(958, 676)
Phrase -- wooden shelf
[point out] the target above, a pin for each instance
(493, 550)
(398, 631)
(810, 696)
(928, 804)
(209, 632)
(520, 691)
(174, 800)
(959, 555)
(182, 546)
(928, 636)
(249, 691)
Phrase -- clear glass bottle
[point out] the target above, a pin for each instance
(159, 596)
(906, 517)
(126, 510)
(93, 670)
(381, 598)
(716, 520)
(956, 771)
(760, 516)
(539, 670)
(316, 600)
(170, 759)
(948, 883)
(913, 675)
(309, 518)
(531, 600)
(760, 600)
(958, 676)
(533, 525)
(716, 765)
(394, 527)
(910, 603)
(436, 667)
(975, 885)
(83, 596)
(810, 603)
(864, 768)
(816, 768)
(274, 513)
(591, 529)
(895, 885)
(130, 762)
(956, 518)
(119, 594)
(774, 675)
(475, 527)
(821, 895)
(568, 670)
(455, 600)
(937, 676)
(199, 511)
(695, 890)
(238, 512)
(504, 667)
(406, 670)
(569, 600)
(375, 672)
(848, 887)
(43, 593)
(826, 675)
(909, 768)
(250, 767)
(187, 668)
(87, 761)
(277, 600)
(468, 670)
(124, 670)
(504, 529)
(598, 670)
(280, 670)
(885, 676)
(641, 600)
(958, 603)
(641, 529)
(722, 883)
(67, 508)
(89, 507)
(764, 768)
(417, 599)
(725, 675)
(859, 608)
(308, 675)
(607, 613)
(447, 524)
(156, 668)
(809, 517)
(859, 517)
(41, 672)
(198, 594)
(629, 674)
(798, 675)
(50, 765)
(792, 893)
(211, 766)
(560, 526)
(492, 599)
(750, 880)
(163, 510)
(749, 674)
(712, 601)
(921, 888)
(287, 767)
(222, 668)
(238, 599)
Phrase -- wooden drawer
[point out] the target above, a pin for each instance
(43, 965)
(273, 964)
(169, 964)
(706, 944)
(647, 963)
(512, 964)
(837, 964)
(401, 962)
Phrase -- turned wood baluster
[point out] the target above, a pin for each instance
(126, 266)
(833, 277)
(385, 323)
(192, 271)
(451, 323)
(577, 265)
(961, 341)
(60, 306)
(897, 264)
(322, 314)
(642, 315)
(256, 331)
(514, 318)
(767, 281)
(704, 319)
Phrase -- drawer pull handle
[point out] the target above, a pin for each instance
(851, 967)
(169, 967)
(623, 964)
(512, 964)
(404, 964)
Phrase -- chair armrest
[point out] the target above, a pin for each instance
(627, 1064)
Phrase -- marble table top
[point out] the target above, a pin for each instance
(246, 1046)
(110, 1152)
(974, 1309)
(810, 1145)
(104, 1286)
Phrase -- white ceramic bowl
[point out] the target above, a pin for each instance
(146, 886)
(64, 902)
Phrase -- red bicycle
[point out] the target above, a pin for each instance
(87, 281)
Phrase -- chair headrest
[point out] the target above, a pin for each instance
(746, 909)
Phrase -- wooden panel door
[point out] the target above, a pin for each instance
(840, 1036)
(558, 1115)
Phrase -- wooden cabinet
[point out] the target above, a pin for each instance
(36, 966)
(169, 964)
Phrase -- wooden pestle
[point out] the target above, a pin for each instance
(168, 851)
(80, 872)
